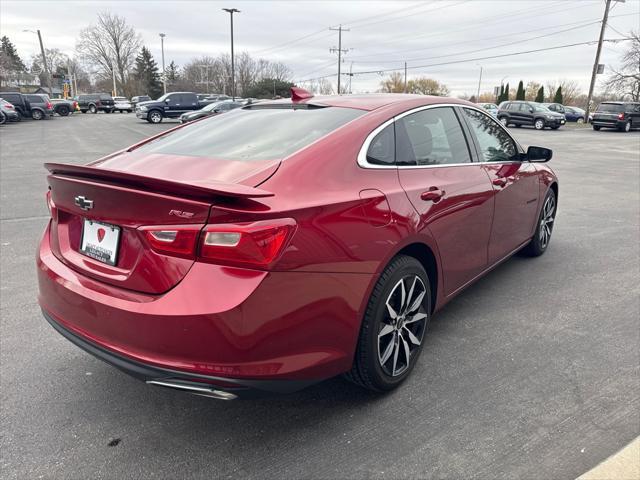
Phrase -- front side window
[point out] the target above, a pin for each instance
(382, 149)
(495, 144)
(431, 137)
(260, 133)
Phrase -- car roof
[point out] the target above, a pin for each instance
(370, 101)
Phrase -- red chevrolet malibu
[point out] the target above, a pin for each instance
(287, 242)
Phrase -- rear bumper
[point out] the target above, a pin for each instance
(556, 122)
(188, 382)
(608, 123)
(218, 322)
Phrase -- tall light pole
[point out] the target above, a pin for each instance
(479, 82)
(233, 71)
(164, 75)
(44, 60)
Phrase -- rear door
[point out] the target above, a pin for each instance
(451, 194)
(515, 184)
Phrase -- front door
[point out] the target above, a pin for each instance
(452, 195)
(515, 185)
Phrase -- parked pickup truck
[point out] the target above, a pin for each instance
(170, 105)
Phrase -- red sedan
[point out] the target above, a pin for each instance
(287, 242)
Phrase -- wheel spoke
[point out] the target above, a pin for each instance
(407, 355)
(413, 286)
(417, 302)
(386, 330)
(392, 312)
(396, 350)
(412, 337)
(415, 318)
(388, 351)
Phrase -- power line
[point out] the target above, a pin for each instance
(475, 59)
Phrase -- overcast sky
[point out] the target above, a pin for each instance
(383, 35)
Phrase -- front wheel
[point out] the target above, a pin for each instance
(37, 114)
(580, 120)
(538, 124)
(393, 326)
(540, 241)
(596, 128)
(154, 117)
(555, 128)
(93, 109)
(504, 121)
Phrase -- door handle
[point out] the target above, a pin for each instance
(434, 194)
(499, 182)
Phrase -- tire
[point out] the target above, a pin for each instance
(37, 114)
(389, 347)
(580, 120)
(541, 238)
(596, 128)
(107, 110)
(518, 125)
(556, 127)
(626, 127)
(63, 111)
(154, 116)
(3, 118)
(538, 124)
(504, 121)
(83, 111)
(93, 109)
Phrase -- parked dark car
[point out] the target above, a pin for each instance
(138, 99)
(96, 102)
(620, 115)
(64, 107)
(170, 105)
(520, 113)
(574, 114)
(19, 101)
(211, 109)
(40, 105)
(9, 111)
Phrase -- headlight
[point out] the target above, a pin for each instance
(143, 109)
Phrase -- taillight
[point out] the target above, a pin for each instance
(255, 244)
(49, 106)
(9, 106)
(175, 240)
(621, 116)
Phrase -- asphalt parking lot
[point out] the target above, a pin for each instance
(533, 372)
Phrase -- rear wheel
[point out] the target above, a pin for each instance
(93, 109)
(3, 118)
(538, 124)
(596, 128)
(540, 241)
(37, 114)
(63, 111)
(504, 121)
(154, 116)
(580, 120)
(626, 127)
(393, 327)
(108, 110)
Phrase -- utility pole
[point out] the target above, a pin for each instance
(164, 75)
(339, 50)
(113, 72)
(233, 72)
(44, 60)
(594, 72)
(479, 82)
(405, 78)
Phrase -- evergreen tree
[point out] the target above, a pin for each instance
(520, 92)
(172, 72)
(147, 75)
(506, 93)
(557, 98)
(14, 62)
(540, 95)
(501, 95)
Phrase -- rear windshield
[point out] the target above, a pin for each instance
(253, 134)
(610, 107)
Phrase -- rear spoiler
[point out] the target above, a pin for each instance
(196, 188)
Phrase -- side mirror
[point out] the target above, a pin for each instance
(539, 154)
(166, 100)
(530, 110)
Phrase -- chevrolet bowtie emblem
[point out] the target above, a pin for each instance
(83, 203)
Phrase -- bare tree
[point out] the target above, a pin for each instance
(626, 80)
(111, 45)
(427, 86)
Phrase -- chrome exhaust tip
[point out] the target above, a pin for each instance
(204, 391)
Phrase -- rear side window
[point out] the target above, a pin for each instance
(610, 108)
(431, 137)
(260, 133)
(495, 144)
(382, 149)
(34, 99)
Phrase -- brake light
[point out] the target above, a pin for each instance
(49, 106)
(621, 116)
(255, 244)
(9, 106)
(175, 240)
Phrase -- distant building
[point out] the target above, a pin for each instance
(16, 81)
